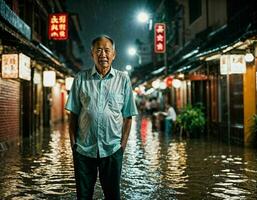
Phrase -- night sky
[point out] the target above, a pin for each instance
(116, 18)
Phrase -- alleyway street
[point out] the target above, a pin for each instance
(156, 166)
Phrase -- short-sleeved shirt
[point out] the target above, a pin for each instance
(101, 104)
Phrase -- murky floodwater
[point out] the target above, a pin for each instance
(156, 166)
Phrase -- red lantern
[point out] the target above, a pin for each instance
(168, 81)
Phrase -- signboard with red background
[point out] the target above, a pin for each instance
(159, 38)
(58, 26)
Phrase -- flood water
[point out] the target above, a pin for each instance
(155, 166)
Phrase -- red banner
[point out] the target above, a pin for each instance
(58, 26)
(159, 38)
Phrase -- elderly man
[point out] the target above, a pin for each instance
(101, 106)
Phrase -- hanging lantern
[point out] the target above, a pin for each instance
(156, 84)
(249, 57)
(168, 81)
(68, 83)
(49, 78)
(176, 83)
(163, 85)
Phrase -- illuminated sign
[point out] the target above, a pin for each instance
(16, 66)
(10, 67)
(49, 78)
(232, 64)
(159, 38)
(24, 67)
(58, 26)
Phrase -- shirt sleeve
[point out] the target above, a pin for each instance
(73, 103)
(129, 107)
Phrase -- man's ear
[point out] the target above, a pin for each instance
(114, 54)
(92, 56)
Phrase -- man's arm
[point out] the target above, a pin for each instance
(125, 132)
(73, 128)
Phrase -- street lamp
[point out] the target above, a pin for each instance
(133, 52)
(143, 17)
(128, 67)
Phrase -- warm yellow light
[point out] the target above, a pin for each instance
(68, 83)
(163, 85)
(176, 83)
(49, 78)
(156, 83)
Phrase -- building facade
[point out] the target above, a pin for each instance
(206, 51)
(26, 104)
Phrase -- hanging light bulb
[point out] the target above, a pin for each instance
(249, 56)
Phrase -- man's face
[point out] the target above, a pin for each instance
(103, 54)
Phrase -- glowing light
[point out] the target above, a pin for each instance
(249, 57)
(143, 17)
(163, 85)
(156, 83)
(128, 67)
(176, 83)
(68, 83)
(49, 78)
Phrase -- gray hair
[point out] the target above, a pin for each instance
(100, 37)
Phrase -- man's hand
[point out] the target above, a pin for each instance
(125, 132)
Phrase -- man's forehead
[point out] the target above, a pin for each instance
(103, 42)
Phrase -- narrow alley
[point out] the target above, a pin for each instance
(156, 166)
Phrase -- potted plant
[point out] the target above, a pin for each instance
(191, 120)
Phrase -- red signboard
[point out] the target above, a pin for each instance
(159, 38)
(58, 26)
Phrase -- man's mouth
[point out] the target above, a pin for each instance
(103, 61)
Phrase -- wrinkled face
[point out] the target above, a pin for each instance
(103, 54)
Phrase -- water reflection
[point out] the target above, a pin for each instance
(39, 172)
(156, 166)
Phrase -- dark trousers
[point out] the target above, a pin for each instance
(109, 169)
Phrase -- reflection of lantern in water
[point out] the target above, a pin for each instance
(143, 131)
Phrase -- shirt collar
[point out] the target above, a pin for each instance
(94, 71)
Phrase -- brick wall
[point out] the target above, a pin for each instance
(9, 110)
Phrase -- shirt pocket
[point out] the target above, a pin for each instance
(115, 101)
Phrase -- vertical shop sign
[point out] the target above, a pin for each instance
(159, 38)
(58, 26)
(10, 67)
(24, 67)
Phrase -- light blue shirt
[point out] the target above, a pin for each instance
(101, 104)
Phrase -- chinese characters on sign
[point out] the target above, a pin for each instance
(58, 26)
(16, 66)
(159, 38)
(232, 64)
(10, 66)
